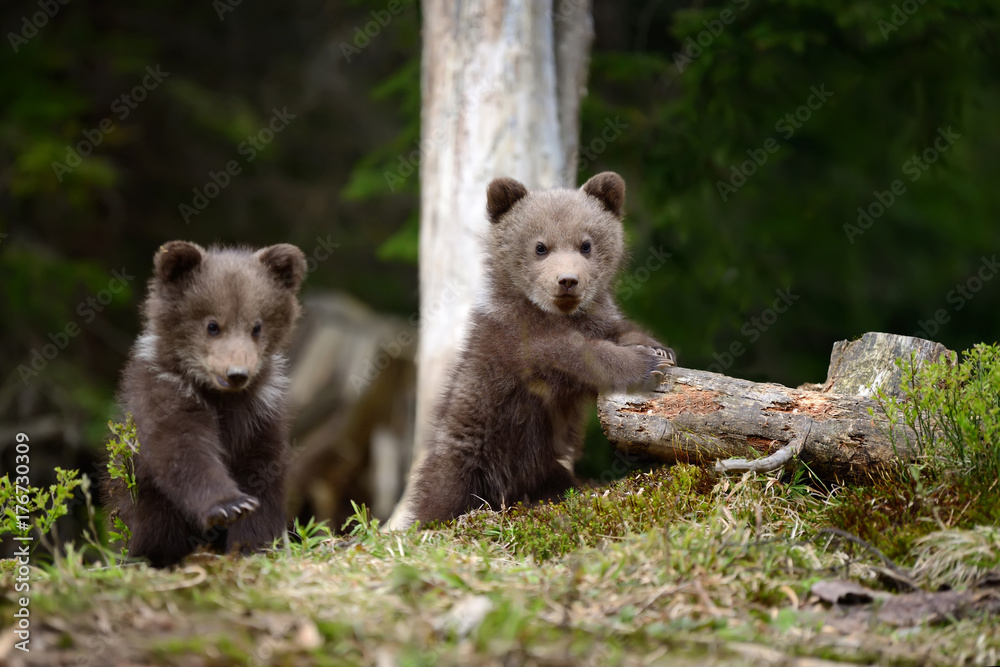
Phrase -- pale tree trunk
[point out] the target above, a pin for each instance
(501, 83)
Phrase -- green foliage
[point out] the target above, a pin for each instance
(953, 407)
(392, 169)
(121, 449)
(690, 124)
(309, 536)
(948, 418)
(403, 246)
(120, 533)
(24, 509)
(362, 525)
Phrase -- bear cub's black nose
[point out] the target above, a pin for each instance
(568, 282)
(237, 376)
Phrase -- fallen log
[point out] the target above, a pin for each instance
(698, 416)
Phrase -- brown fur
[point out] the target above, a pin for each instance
(545, 342)
(209, 404)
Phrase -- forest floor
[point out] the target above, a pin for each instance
(671, 567)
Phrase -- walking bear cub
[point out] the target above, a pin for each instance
(545, 340)
(205, 384)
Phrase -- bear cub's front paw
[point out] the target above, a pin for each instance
(228, 511)
(660, 359)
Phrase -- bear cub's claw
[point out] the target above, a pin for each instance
(668, 354)
(229, 511)
(661, 359)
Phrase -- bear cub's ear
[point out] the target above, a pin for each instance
(501, 195)
(286, 263)
(175, 260)
(609, 189)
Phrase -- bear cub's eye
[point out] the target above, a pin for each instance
(541, 249)
(585, 247)
(213, 328)
(256, 330)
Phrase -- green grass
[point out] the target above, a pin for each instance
(670, 566)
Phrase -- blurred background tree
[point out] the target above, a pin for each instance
(681, 94)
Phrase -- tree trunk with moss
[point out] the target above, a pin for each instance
(836, 428)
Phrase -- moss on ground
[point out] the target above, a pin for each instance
(671, 566)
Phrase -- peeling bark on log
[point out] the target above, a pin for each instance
(698, 416)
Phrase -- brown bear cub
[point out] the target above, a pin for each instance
(545, 340)
(205, 384)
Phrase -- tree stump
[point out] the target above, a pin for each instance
(836, 428)
(858, 368)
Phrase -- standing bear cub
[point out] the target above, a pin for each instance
(205, 384)
(543, 343)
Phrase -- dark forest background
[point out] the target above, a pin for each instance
(839, 96)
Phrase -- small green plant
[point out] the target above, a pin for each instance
(953, 408)
(27, 508)
(361, 523)
(120, 533)
(311, 535)
(122, 448)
